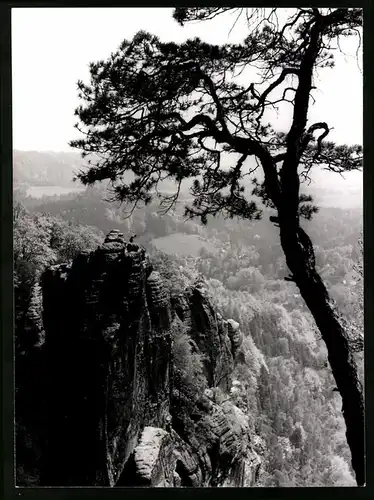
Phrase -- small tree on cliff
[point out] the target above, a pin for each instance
(176, 111)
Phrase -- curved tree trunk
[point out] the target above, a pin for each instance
(299, 254)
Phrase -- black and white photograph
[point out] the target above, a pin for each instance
(188, 247)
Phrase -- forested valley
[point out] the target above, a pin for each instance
(285, 385)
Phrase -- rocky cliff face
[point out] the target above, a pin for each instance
(95, 380)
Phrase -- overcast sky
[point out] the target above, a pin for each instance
(51, 49)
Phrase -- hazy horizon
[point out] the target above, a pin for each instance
(52, 63)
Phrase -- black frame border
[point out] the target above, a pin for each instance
(6, 267)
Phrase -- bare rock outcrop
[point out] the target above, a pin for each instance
(154, 458)
(209, 332)
(235, 335)
(220, 453)
(102, 398)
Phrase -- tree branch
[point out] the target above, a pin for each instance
(277, 82)
(309, 136)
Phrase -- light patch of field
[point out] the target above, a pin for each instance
(40, 191)
(183, 244)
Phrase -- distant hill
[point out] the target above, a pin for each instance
(330, 189)
(45, 168)
(183, 244)
(48, 168)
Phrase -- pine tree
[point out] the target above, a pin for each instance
(168, 111)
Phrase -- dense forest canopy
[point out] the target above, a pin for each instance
(286, 384)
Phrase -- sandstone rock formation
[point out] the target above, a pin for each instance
(102, 364)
